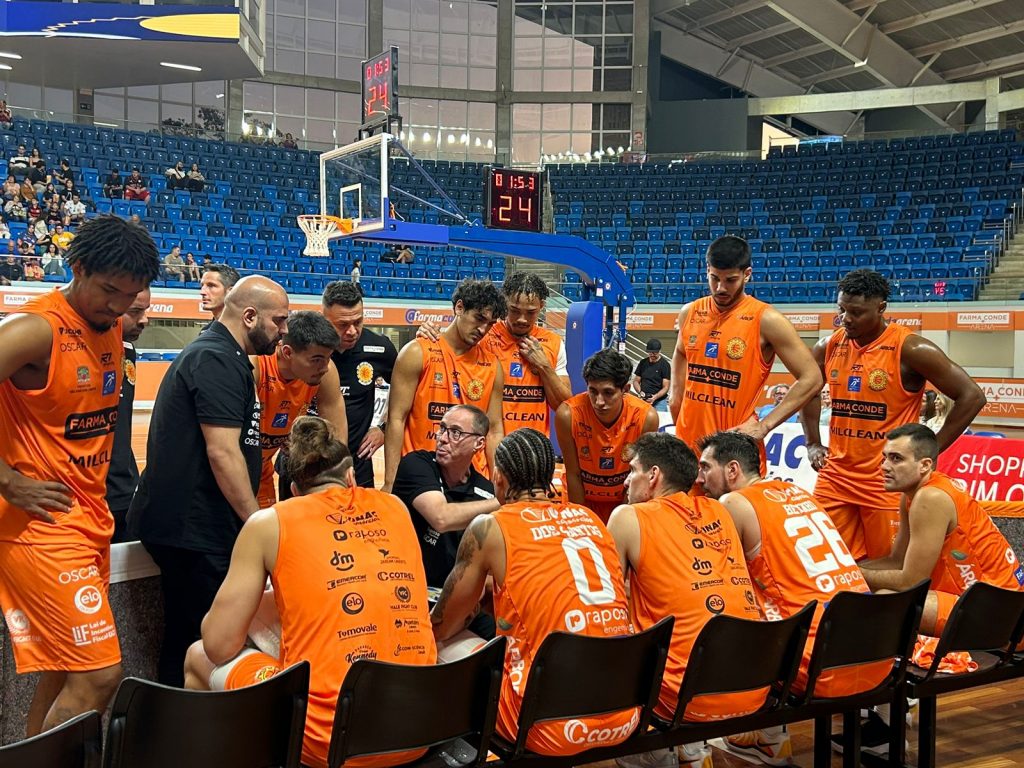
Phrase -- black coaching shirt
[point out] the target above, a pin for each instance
(372, 356)
(123, 476)
(178, 503)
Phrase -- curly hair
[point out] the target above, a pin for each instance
(866, 283)
(110, 245)
(480, 294)
(608, 365)
(525, 284)
(527, 460)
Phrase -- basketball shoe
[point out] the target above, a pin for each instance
(771, 746)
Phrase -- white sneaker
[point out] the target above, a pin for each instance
(696, 755)
(771, 747)
(659, 758)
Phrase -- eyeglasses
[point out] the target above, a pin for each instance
(454, 433)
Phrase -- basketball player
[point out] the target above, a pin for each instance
(309, 547)
(875, 373)
(431, 376)
(776, 520)
(123, 476)
(532, 358)
(595, 427)
(727, 344)
(944, 534)
(362, 357)
(684, 559)
(535, 549)
(286, 383)
(203, 460)
(60, 375)
(214, 285)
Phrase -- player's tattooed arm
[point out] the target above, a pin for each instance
(460, 598)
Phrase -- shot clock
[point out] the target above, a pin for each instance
(514, 199)
(380, 87)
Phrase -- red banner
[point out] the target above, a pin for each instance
(991, 468)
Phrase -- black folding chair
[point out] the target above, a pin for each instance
(258, 726)
(575, 676)
(386, 708)
(74, 744)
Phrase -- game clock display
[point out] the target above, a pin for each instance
(380, 86)
(515, 199)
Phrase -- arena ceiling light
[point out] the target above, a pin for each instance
(188, 67)
(6, 67)
(16, 56)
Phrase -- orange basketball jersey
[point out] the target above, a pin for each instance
(868, 401)
(523, 400)
(975, 550)
(803, 558)
(600, 450)
(691, 566)
(448, 379)
(562, 574)
(725, 370)
(65, 431)
(349, 585)
(281, 402)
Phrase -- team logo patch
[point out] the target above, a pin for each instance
(958, 554)
(776, 496)
(364, 373)
(834, 373)
(711, 349)
(438, 378)
(878, 380)
(83, 375)
(129, 370)
(109, 382)
(853, 383)
(959, 484)
(280, 421)
(607, 462)
(693, 340)
(735, 348)
(475, 389)
(265, 673)
(515, 370)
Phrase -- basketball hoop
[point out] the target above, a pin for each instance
(320, 229)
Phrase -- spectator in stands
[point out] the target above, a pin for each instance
(778, 394)
(928, 405)
(74, 209)
(33, 211)
(11, 186)
(40, 233)
(12, 268)
(356, 269)
(27, 190)
(216, 281)
(33, 272)
(404, 255)
(390, 256)
(50, 193)
(64, 174)
(174, 265)
(113, 187)
(35, 156)
(67, 190)
(289, 142)
(5, 231)
(175, 176)
(826, 406)
(943, 405)
(195, 181)
(53, 261)
(5, 115)
(192, 273)
(54, 214)
(61, 237)
(26, 246)
(38, 177)
(651, 377)
(136, 188)
(14, 208)
(19, 162)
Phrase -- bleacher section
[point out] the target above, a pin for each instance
(926, 212)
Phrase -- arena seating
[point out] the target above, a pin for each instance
(926, 212)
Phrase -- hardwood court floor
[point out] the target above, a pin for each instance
(983, 728)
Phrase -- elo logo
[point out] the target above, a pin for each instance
(352, 603)
(88, 599)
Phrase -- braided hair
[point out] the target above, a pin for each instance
(526, 458)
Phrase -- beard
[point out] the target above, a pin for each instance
(261, 342)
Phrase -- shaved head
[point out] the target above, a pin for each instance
(255, 291)
(258, 308)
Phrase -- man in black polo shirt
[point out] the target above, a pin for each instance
(362, 357)
(203, 461)
(443, 493)
(651, 377)
(123, 475)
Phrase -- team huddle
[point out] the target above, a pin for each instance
(646, 524)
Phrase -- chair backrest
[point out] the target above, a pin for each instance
(712, 668)
(162, 727)
(422, 705)
(74, 744)
(985, 618)
(563, 684)
(859, 628)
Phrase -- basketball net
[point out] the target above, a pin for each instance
(320, 229)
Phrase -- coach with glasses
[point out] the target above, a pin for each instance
(444, 492)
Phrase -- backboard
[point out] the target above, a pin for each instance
(354, 183)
